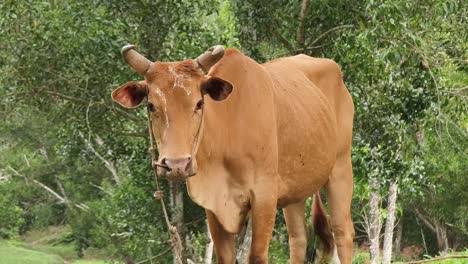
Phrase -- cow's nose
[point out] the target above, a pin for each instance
(178, 165)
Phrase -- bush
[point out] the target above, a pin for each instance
(278, 252)
(42, 215)
(128, 223)
(361, 258)
(11, 216)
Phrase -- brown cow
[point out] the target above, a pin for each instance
(264, 136)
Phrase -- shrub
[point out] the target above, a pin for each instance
(361, 258)
(128, 223)
(11, 216)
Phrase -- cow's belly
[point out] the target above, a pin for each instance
(306, 145)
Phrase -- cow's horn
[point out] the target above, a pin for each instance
(210, 57)
(137, 61)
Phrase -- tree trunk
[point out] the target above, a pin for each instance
(374, 221)
(456, 242)
(438, 228)
(244, 244)
(177, 216)
(442, 239)
(399, 235)
(209, 246)
(300, 39)
(390, 223)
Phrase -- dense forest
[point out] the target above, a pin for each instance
(70, 157)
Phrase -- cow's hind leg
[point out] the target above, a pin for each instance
(339, 194)
(224, 242)
(297, 231)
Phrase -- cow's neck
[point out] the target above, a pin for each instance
(233, 132)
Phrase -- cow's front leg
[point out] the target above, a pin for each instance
(263, 221)
(297, 231)
(224, 242)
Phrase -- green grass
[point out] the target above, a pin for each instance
(47, 236)
(15, 252)
(65, 251)
(363, 257)
(452, 261)
(11, 253)
(91, 261)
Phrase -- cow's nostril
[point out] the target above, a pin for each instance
(189, 163)
(178, 163)
(164, 165)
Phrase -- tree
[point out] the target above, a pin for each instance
(403, 61)
(385, 49)
(58, 64)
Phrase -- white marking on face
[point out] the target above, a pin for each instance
(179, 80)
(163, 99)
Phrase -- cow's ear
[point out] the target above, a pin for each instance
(218, 89)
(130, 95)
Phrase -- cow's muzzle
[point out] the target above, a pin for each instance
(177, 169)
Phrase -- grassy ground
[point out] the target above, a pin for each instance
(14, 252)
(363, 258)
(11, 253)
(48, 246)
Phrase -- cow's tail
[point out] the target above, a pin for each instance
(322, 228)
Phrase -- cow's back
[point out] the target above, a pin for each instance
(314, 114)
(326, 75)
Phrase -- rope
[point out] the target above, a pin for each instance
(176, 242)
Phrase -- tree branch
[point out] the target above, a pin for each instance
(47, 188)
(108, 164)
(66, 97)
(84, 102)
(143, 134)
(62, 190)
(457, 92)
(330, 31)
(274, 30)
(312, 48)
(305, 7)
(459, 89)
(101, 188)
(61, 199)
(424, 219)
(436, 259)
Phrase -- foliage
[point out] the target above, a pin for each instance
(58, 114)
(446, 169)
(404, 63)
(361, 258)
(11, 217)
(129, 223)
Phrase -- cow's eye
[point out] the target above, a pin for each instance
(199, 105)
(151, 107)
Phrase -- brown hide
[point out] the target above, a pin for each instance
(238, 149)
(249, 138)
(277, 131)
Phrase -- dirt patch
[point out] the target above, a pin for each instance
(412, 252)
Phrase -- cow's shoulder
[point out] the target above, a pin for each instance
(233, 63)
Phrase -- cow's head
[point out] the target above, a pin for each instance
(175, 94)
